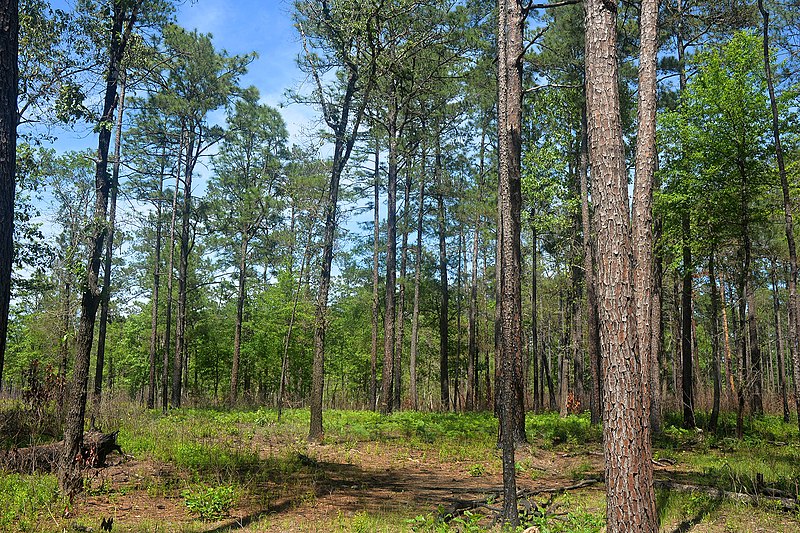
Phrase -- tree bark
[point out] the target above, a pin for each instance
(70, 479)
(170, 278)
(387, 376)
(643, 199)
(412, 362)
(105, 297)
(715, 367)
(510, 47)
(9, 80)
(626, 434)
(237, 327)
(779, 344)
(401, 300)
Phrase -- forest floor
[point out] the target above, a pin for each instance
(214, 471)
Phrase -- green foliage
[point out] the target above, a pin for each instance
(26, 499)
(210, 503)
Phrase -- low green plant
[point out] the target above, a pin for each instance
(25, 499)
(211, 503)
(477, 470)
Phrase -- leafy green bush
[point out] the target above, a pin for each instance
(212, 503)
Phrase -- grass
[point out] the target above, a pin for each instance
(214, 462)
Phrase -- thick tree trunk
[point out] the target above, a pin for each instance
(687, 382)
(630, 496)
(509, 355)
(643, 199)
(70, 479)
(373, 360)
(9, 75)
(105, 297)
(794, 302)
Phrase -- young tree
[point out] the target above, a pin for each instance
(629, 472)
(9, 46)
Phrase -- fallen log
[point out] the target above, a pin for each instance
(46, 457)
(786, 504)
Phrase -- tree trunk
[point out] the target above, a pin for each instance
(794, 302)
(70, 479)
(628, 457)
(105, 297)
(412, 362)
(593, 334)
(237, 327)
(151, 381)
(444, 381)
(779, 344)
(510, 49)
(9, 78)
(170, 278)
(643, 199)
(387, 376)
(687, 383)
(712, 278)
(401, 303)
(373, 360)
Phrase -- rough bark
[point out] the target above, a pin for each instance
(626, 434)
(643, 197)
(70, 479)
(9, 76)
(105, 298)
(510, 48)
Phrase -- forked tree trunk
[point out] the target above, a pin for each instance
(105, 298)
(70, 479)
(630, 497)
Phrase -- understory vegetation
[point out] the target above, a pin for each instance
(219, 470)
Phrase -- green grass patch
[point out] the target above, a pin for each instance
(26, 500)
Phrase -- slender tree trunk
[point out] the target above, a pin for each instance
(387, 376)
(756, 371)
(412, 363)
(170, 278)
(779, 344)
(183, 273)
(70, 478)
(9, 78)
(472, 346)
(151, 381)
(534, 340)
(459, 289)
(643, 200)
(105, 297)
(401, 303)
(373, 360)
(626, 434)
(727, 341)
(510, 48)
(794, 302)
(712, 277)
(237, 327)
(687, 381)
(592, 320)
(444, 378)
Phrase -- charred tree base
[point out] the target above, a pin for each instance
(47, 457)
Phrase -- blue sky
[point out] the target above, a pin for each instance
(264, 27)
